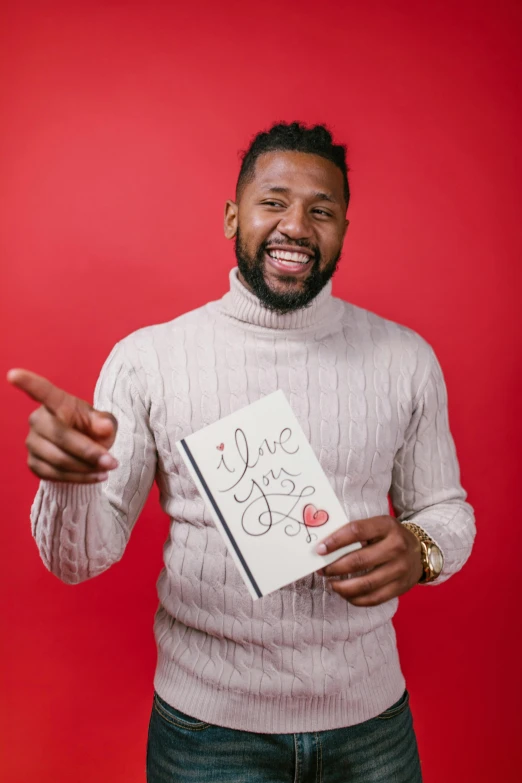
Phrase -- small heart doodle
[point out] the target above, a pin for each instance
(313, 517)
(220, 447)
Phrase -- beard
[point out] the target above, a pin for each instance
(252, 270)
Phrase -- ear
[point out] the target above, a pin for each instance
(346, 224)
(231, 212)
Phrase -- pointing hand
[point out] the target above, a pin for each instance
(68, 439)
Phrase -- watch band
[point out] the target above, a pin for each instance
(426, 542)
(419, 532)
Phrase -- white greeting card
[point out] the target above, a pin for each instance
(267, 493)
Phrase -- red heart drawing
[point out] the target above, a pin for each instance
(314, 518)
(221, 446)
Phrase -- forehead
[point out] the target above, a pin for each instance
(298, 171)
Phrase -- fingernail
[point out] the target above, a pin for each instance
(107, 461)
(101, 476)
(322, 549)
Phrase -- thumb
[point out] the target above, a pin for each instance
(103, 426)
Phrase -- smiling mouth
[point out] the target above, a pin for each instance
(293, 260)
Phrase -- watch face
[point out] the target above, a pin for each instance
(435, 559)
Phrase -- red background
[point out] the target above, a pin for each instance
(121, 124)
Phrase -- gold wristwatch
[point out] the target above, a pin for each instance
(432, 557)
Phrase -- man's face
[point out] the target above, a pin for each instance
(289, 225)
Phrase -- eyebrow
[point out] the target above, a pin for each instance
(318, 195)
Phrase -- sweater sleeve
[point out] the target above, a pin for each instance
(426, 486)
(82, 529)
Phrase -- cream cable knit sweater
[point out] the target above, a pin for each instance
(370, 396)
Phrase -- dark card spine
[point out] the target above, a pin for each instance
(221, 518)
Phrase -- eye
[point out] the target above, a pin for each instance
(322, 212)
(272, 203)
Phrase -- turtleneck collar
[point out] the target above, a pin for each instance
(242, 305)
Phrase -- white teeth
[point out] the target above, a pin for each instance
(285, 255)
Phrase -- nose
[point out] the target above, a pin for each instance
(295, 222)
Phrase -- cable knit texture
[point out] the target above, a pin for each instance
(371, 398)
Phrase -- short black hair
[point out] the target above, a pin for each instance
(293, 137)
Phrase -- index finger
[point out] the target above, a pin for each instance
(38, 388)
(357, 530)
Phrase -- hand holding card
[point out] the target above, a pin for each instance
(266, 491)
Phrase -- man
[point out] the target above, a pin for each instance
(305, 683)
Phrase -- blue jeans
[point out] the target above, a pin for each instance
(182, 749)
